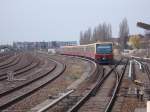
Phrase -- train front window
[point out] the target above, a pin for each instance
(103, 48)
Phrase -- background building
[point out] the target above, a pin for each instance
(42, 45)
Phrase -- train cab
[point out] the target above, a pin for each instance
(104, 52)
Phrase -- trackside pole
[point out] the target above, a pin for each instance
(148, 106)
(130, 69)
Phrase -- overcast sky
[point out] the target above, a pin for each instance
(46, 20)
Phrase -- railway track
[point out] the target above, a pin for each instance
(136, 79)
(99, 96)
(91, 73)
(146, 69)
(22, 60)
(34, 82)
(95, 96)
(5, 57)
(102, 101)
(144, 64)
(116, 89)
(81, 100)
(22, 67)
(10, 62)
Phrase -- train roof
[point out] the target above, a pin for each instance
(88, 44)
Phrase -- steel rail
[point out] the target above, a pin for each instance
(21, 70)
(28, 82)
(111, 102)
(9, 61)
(5, 57)
(13, 63)
(116, 73)
(147, 71)
(144, 66)
(23, 61)
(52, 103)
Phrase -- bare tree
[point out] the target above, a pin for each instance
(109, 31)
(95, 35)
(87, 36)
(123, 33)
(81, 38)
(100, 33)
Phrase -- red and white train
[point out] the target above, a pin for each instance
(102, 52)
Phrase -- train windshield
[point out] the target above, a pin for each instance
(103, 48)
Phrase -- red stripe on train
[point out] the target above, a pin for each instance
(108, 56)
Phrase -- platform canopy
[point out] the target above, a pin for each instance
(143, 25)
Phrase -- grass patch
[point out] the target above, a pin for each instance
(75, 72)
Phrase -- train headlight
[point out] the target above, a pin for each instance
(103, 58)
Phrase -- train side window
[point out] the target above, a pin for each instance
(93, 49)
(82, 49)
(86, 49)
(89, 48)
